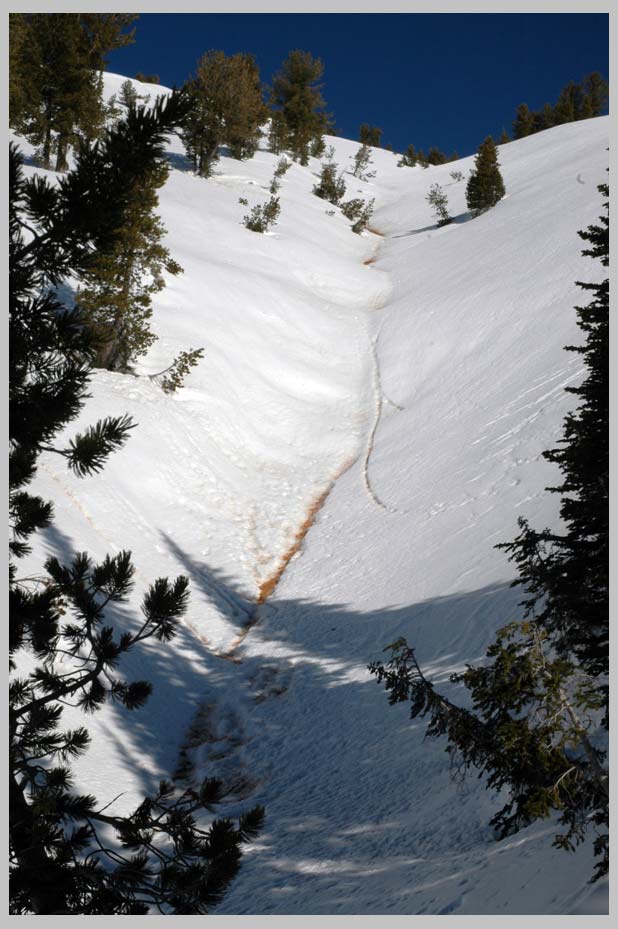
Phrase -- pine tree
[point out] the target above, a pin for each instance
(370, 135)
(544, 118)
(595, 95)
(504, 138)
(128, 96)
(297, 95)
(524, 122)
(331, 185)
(105, 32)
(22, 88)
(438, 200)
(247, 110)
(147, 78)
(568, 105)
(159, 857)
(485, 185)
(116, 296)
(278, 136)
(537, 700)
(572, 570)
(317, 147)
(409, 157)
(226, 108)
(57, 58)
(362, 160)
(436, 157)
(263, 216)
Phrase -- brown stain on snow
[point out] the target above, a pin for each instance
(267, 587)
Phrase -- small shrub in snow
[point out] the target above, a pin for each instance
(128, 95)
(275, 184)
(263, 216)
(409, 158)
(457, 176)
(283, 166)
(330, 186)
(362, 160)
(173, 377)
(244, 201)
(438, 200)
(352, 209)
(363, 218)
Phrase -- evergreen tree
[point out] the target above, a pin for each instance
(436, 157)
(331, 185)
(438, 201)
(22, 88)
(128, 96)
(595, 95)
(370, 135)
(297, 95)
(408, 159)
(263, 216)
(362, 220)
(362, 160)
(454, 156)
(567, 575)
(317, 147)
(247, 110)
(544, 118)
(359, 212)
(568, 105)
(278, 136)
(226, 108)
(172, 378)
(536, 701)
(147, 78)
(504, 138)
(116, 296)
(524, 122)
(485, 185)
(105, 32)
(69, 854)
(57, 59)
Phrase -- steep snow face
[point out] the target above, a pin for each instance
(226, 470)
(469, 385)
(426, 384)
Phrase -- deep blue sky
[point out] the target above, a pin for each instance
(431, 79)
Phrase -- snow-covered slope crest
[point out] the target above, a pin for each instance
(419, 389)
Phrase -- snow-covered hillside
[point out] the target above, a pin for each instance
(367, 422)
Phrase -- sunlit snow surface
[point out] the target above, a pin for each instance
(422, 388)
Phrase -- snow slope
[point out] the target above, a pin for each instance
(390, 396)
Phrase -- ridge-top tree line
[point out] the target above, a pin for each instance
(576, 101)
